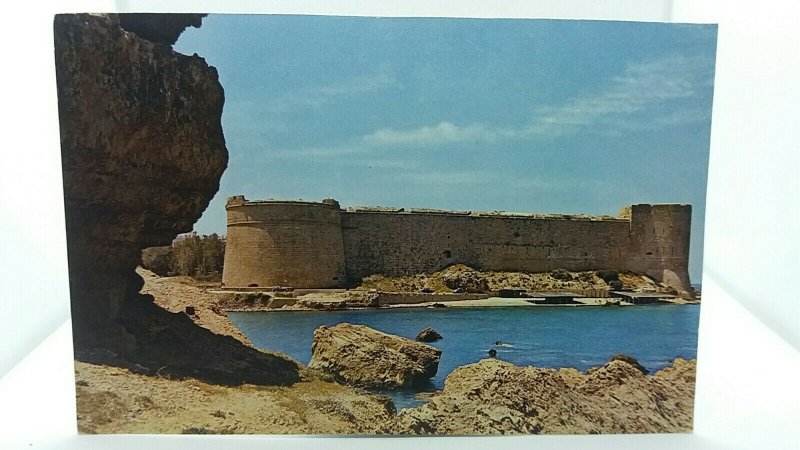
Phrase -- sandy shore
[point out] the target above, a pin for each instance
(114, 400)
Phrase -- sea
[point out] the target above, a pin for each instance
(579, 337)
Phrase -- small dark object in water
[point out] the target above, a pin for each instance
(498, 343)
(428, 335)
(190, 311)
(493, 353)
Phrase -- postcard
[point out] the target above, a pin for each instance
(323, 225)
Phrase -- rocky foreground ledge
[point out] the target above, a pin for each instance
(496, 397)
(487, 397)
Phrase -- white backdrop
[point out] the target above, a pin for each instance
(750, 318)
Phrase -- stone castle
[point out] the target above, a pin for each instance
(320, 245)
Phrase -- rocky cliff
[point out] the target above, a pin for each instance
(496, 397)
(142, 154)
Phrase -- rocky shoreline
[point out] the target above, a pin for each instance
(486, 397)
(455, 286)
(496, 397)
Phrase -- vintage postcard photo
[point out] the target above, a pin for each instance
(383, 226)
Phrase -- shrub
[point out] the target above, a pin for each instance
(615, 285)
(198, 256)
(158, 260)
(190, 254)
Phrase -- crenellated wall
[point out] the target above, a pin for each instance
(307, 244)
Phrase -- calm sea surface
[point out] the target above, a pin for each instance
(579, 337)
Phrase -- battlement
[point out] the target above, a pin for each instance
(308, 244)
(240, 200)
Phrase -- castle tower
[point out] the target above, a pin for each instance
(659, 243)
(283, 243)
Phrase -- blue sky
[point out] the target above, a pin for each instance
(552, 116)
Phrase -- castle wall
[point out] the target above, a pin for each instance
(318, 245)
(283, 244)
(660, 243)
(395, 244)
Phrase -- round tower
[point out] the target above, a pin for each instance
(660, 243)
(283, 243)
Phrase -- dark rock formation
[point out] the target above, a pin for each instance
(361, 356)
(428, 335)
(142, 154)
(159, 28)
(632, 361)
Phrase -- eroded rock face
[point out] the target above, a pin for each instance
(496, 397)
(362, 356)
(159, 27)
(142, 154)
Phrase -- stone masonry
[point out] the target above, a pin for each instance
(320, 245)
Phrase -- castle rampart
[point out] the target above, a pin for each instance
(319, 245)
(275, 243)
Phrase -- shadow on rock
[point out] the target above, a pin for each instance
(172, 345)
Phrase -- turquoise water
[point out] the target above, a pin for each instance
(579, 337)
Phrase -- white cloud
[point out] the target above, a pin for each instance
(621, 104)
(443, 133)
(423, 137)
(642, 85)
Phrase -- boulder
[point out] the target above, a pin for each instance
(497, 397)
(428, 335)
(361, 356)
